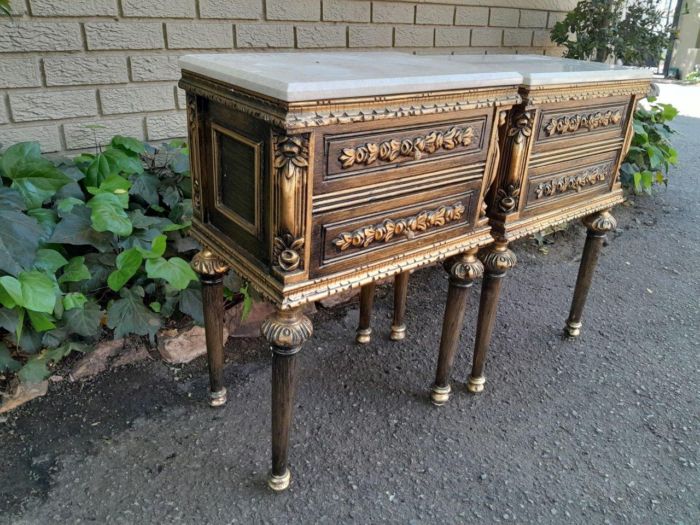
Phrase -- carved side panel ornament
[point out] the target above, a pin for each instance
(571, 124)
(291, 168)
(495, 164)
(193, 132)
(519, 133)
(390, 228)
(588, 177)
(391, 149)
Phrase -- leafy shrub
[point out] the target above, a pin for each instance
(97, 241)
(650, 154)
(599, 30)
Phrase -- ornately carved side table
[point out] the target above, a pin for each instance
(316, 173)
(562, 147)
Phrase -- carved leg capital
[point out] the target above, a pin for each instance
(498, 258)
(287, 331)
(464, 268)
(600, 223)
(208, 265)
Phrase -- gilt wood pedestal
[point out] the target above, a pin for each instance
(316, 173)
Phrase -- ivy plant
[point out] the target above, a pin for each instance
(650, 154)
(97, 241)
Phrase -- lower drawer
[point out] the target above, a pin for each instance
(359, 235)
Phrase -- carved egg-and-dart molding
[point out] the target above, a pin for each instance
(570, 124)
(390, 150)
(390, 228)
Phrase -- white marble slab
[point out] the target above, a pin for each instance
(538, 70)
(295, 77)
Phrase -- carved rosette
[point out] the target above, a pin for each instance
(572, 123)
(391, 149)
(193, 132)
(207, 264)
(287, 330)
(464, 267)
(600, 223)
(291, 167)
(498, 259)
(390, 228)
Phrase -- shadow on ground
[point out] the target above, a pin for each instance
(604, 429)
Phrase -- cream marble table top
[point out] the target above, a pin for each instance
(296, 77)
(538, 70)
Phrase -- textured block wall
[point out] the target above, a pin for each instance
(68, 64)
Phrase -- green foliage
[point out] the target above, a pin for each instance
(97, 241)
(607, 29)
(5, 10)
(693, 77)
(650, 154)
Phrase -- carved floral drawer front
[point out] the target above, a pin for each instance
(572, 122)
(352, 154)
(573, 181)
(363, 234)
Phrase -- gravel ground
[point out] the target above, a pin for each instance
(601, 430)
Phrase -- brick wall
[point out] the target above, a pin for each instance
(65, 65)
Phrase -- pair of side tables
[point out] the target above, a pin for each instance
(315, 173)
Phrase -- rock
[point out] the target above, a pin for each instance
(177, 347)
(96, 361)
(23, 394)
(133, 355)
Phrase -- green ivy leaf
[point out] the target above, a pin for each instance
(128, 315)
(7, 363)
(19, 240)
(76, 229)
(85, 321)
(49, 260)
(108, 215)
(191, 302)
(177, 272)
(146, 186)
(129, 145)
(41, 321)
(75, 271)
(46, 218)
(74, 300)
(34, 371)
(155, 306)
(128, 263)
(65, 206)
(33, 290)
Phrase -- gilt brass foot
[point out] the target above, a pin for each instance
(439, 395)
(476, 384)
(572, 329)
(218, 398)
(279, 483)
(364, 335)
(398, 333)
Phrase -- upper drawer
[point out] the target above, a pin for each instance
(557, 124)
(362, 155)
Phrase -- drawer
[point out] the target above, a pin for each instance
(366, 153)
(576, 181)
(559, 124)
(361, 234)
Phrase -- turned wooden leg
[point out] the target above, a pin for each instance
(497, 259)
(286, 331)
(463, 270)
(211, 271)
(364, 329)
(598, 224)
(398, 327)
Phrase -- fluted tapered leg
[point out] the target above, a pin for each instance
(497, 259)
(463, 270)
(364, 328)
(286, 331)
(211, 271)
(598, 224)
(398, 326)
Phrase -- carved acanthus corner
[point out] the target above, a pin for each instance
(193, 132)
(600, 222)
(519, 133)
(291, 174)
